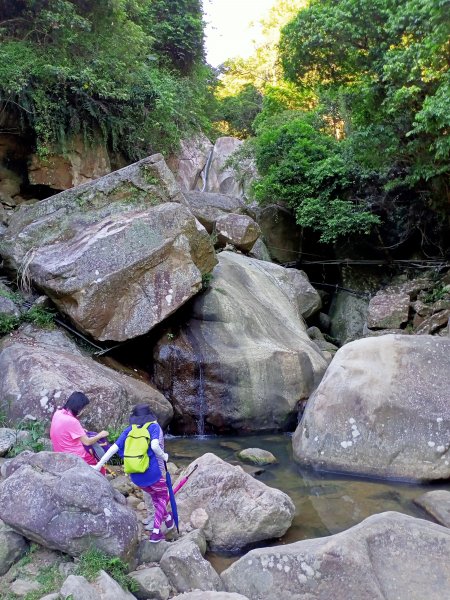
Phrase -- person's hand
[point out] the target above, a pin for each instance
(103, 434)
(96, 467)
(165, 457)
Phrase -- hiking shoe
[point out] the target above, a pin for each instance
(169, 522)
(156, 537)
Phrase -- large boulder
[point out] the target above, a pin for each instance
(208, 207)
(240, 231)
(381, 409)
(282, 235)
(39, 369)
(389, 556)
(60, 502)
(348, 315)
(237, 509)
(117, 255)
(388, 311)
(243, 360)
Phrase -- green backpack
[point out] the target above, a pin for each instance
(135, 457)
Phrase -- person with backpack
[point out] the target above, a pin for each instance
(68, 435)
(141, 445)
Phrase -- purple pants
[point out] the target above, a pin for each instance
(159, 495)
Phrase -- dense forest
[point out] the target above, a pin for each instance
(344, 106)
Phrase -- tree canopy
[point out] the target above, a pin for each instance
(354, 131)
(130, 70)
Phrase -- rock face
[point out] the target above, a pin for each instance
(60, 502)
(189, 163)
(79, 165)
(221, 178)
(381, 409)
(238, 509)
(39, 369)
(388, 556)
(118, 255)
(238, 363)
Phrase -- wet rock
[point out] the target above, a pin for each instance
(237, 364)
(389, 555)
(257, 456)
(187, 570)
(437, 504)
(381, 409)
(189, 162)
(38, 369)
(222, 178)
(241, 509)
(60, 502)
(118, 255)
(152, 584)
(388, 311)
(239, 230)
(12, 547)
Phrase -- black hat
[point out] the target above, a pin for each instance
(141, 414)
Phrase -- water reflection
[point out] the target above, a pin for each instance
(325, 503)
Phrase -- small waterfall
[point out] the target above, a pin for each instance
(205, 173)
(201, 402)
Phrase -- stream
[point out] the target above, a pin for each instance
(325, 503)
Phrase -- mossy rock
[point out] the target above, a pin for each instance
(257, 456)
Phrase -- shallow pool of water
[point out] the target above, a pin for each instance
(325, 503)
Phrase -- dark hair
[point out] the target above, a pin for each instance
(76, 402)
(141, 414)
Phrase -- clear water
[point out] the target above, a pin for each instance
(325, 503)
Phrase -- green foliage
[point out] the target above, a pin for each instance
(35, 431)
(102, 69)
(206, 280)
(385, 65)
(93, 561)
(239, 111)
(8, 323)
(437, 293)
(42, 317)
(308, 170)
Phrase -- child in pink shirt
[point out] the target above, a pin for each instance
(67, 433)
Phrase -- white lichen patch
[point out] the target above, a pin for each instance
(346, 444)
(440, 449)
(169, 299)
(309, 571)
(44, 401)
(431, 444)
